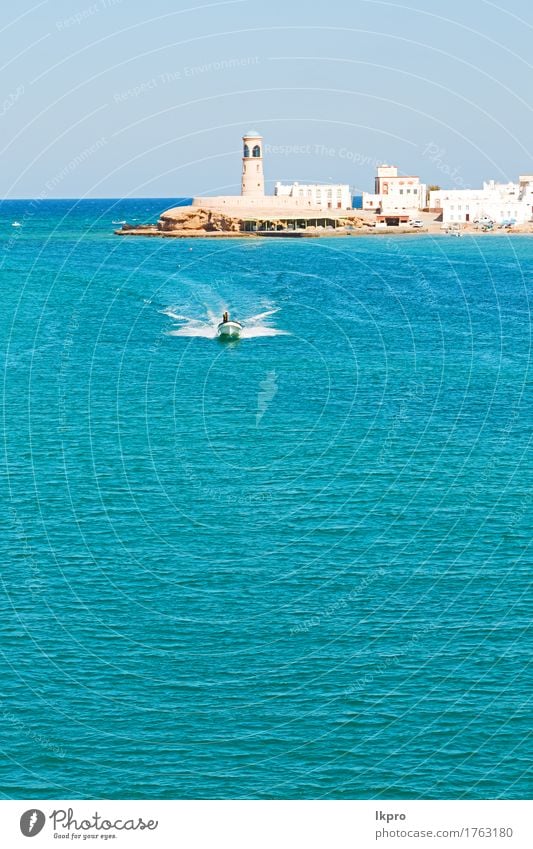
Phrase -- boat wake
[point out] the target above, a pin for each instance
(253, 327)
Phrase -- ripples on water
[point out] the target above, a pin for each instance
(293, 567)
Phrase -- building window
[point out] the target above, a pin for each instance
(256, 150)
(246, 150)
(401, 191)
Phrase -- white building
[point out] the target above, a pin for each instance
(499, 202)
(394, 192)
(317, 195)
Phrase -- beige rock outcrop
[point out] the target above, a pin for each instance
(207, 220)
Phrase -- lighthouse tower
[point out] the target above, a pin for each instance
(253, 182)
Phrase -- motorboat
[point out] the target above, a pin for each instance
(229, 328)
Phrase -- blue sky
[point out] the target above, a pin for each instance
(114, 98)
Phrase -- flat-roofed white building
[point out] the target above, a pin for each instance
(525, 183)
(316, 195)
(395, 192)
(501, 202)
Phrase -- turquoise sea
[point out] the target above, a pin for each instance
(297, 566)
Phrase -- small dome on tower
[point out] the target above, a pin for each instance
(252, 134)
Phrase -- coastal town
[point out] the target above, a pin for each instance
(399, 204)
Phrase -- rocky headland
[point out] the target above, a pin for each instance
(187, 221)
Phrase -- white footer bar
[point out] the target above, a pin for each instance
(268, 824)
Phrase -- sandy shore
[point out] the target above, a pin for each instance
(310, 234)
(364, 225)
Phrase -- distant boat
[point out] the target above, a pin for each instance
(16, 224)
(228, 328)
